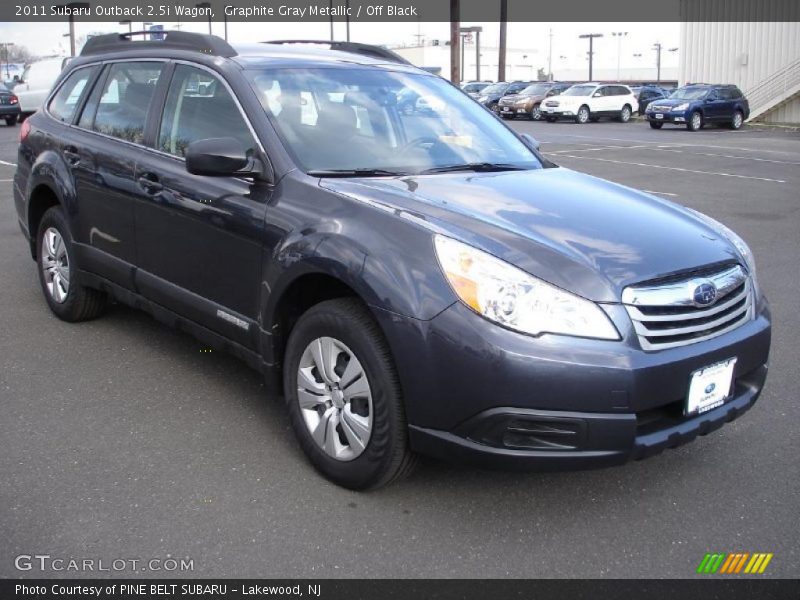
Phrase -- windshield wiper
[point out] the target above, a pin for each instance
(354, 173)
(479, 167)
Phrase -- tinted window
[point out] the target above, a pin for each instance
(580, 90)
(200, 107)
(67, 99)
(126, 96)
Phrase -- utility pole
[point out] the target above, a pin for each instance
(347, 17)
(501, 51)
(591, 37)
(657, 48)
(330, 6)
(619, 35)
(550, 58)
(73, 6)
(5, 46)
(207, 6)
(129, 23)
(455, 41)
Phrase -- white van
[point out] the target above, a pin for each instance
(36, 82)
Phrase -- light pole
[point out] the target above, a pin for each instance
(477, 32)
(71, 7)
(501, 51)
(347, 18)
(591, 37)
(330, 6)
(550, 58)
(207, 6)
(619, 35)
(129, 23)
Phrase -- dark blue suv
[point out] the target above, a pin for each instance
(696, 104)
(409, 284)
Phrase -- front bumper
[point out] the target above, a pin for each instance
(679, 117)
(481, 394)
(513, 111)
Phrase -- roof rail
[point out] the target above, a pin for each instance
(172, 40)
(351, 47)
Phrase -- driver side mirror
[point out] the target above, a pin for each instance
(221, 157)
(596, 95)
(530, 141)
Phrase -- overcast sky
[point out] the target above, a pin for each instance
(47, 38)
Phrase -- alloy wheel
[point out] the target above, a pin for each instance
(536, 114)
(737, 120)
(696, 121)
(583, 115)
(55, 264)
(335, 398)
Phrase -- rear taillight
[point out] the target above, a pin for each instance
(13, 100)
(24, 130)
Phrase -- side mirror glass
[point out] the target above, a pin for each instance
(596, 95)
(220, 157)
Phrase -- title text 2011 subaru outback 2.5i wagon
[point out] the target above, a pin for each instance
(423, 284)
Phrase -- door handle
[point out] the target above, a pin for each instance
(71, 155)
(149, 183)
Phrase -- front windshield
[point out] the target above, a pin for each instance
(689, 93)
(495, 88)
(537, 89)
(579, 90)
(353, 119)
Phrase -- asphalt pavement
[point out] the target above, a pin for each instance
(120, 439)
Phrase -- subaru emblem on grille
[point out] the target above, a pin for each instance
(704, 294)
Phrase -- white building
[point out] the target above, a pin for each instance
(762, 58)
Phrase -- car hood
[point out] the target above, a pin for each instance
(584, 234)
(670, 101)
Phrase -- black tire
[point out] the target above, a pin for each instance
(536, 113)
(625, 114)
(737, 120)
(594, 119)
(695, 121)
(81, 303)
(387, 456)
(11, 121)
(506, 117)
(655, 125)
(583, 115)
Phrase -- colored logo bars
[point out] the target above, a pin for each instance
(741, 562)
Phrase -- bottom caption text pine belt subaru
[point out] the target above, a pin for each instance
(417, 283)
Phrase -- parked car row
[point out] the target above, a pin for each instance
(692, 105)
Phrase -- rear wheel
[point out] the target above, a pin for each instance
(583, 115)
(344, 398)
(655, 125)
(625, 114)
(738, 120)
(695, 122)
(67, 298)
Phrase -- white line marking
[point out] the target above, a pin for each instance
(660, 193)
(10, 164)
(6, 180)
(768, 160)
(623, 162)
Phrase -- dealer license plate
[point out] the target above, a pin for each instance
(659, 116)
(709, 387)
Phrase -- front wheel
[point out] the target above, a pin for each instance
(344, 398)
(695, 122)
(536, 113)
(654, 125)
(583, 115)
(625, 114)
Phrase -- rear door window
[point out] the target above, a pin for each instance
(69, 95)
(125, 99)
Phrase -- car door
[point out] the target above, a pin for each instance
(198, 238)
(714, 106)
(110, 140)
(601, 101)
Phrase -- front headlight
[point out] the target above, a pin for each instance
(510, 297)
(681, 107)
(734, 238)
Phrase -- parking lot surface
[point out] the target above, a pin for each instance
(121, 439)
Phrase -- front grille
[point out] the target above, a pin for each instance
(666, 315)
(552, 103)
(659, 108)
